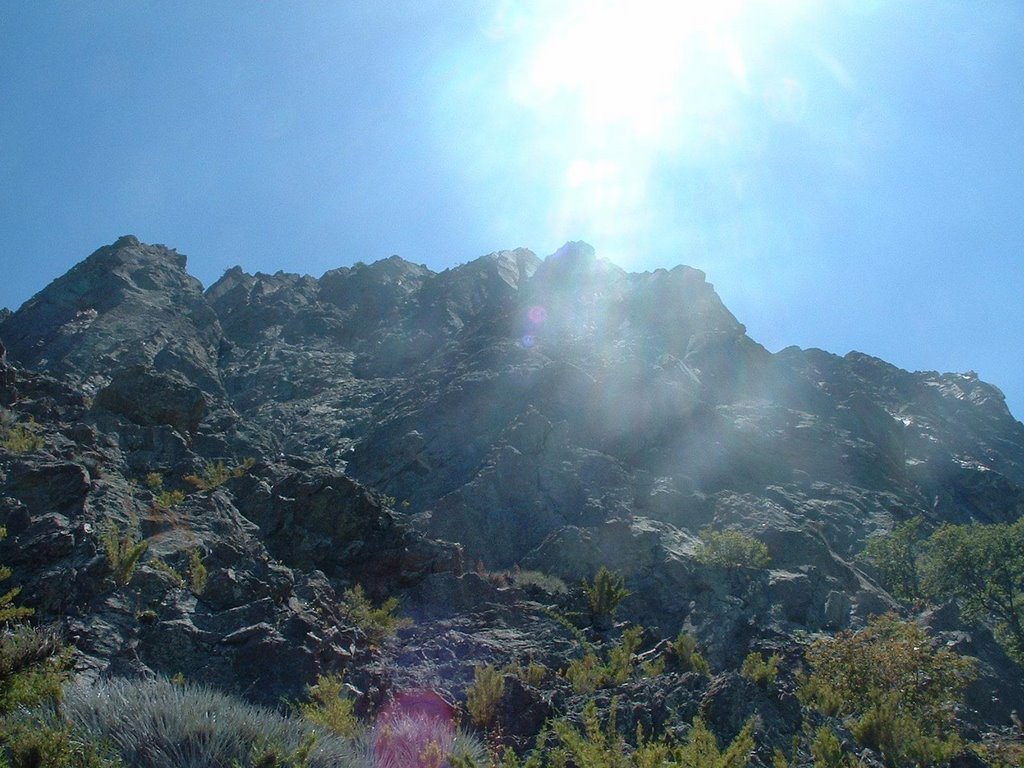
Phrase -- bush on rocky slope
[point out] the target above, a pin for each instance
(897, 694)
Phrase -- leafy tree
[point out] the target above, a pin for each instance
(895, 556)
(896, 693)
(981, 566)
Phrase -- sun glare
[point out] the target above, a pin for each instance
(633, 65)
(613, 87)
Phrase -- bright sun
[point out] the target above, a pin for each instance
(611, 87)
(633, 65)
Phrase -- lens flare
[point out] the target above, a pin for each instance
(416, 730)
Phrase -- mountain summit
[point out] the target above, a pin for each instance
(413, 431)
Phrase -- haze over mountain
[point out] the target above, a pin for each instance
(847, 172)
(433, 436)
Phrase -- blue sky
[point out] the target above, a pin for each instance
(848, 173)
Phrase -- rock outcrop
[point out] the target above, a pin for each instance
(431, 436)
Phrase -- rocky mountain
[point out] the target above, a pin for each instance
(425, 435)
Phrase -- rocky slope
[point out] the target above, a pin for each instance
(415, 432)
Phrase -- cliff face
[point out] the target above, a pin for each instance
(555, 414)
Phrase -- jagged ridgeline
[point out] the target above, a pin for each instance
(405, 477)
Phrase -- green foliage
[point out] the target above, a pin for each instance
(378, 624)
(196, 572)
(604, 595)
(895, 556)
(532, 673)
(123, 547)
(562, 744)
(731, 549)
(483, 696)
(897, 734)
(689, 657)
(591, 672)
(32, 668)
(540, 580)
(161, 565)
(270, 755)
(8, 610)
(329, 707)
(979, 566)
(654, 667)
(896, 693)
(760, 670)
(20, 438)
(162, 498)
(216, 473)
(827, 752)
(42, 745)
(982, 567)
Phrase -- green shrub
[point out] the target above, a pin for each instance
(35, 744)
(827, 752)
(604, 595)
(760, 670)
(378, 624)
(731, 549)
(330, 707)
(162, 498)
(895, 692)
(21, 438)
(591, 673)
(689, 657)
(483, 696)
(542, 581)
(161, 565)
(595, 746)
(32, 667)
(216, 473)
(123, 547)
(196, 572)
(532, 673)
(8, 610)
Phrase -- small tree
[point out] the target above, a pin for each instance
(896, 693)
(483, 695)
(981, 566)
(378, 624)
(895, 556)
(328, 706)
(604, 595)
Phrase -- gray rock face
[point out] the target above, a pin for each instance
(554, 415)
(127, 304)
